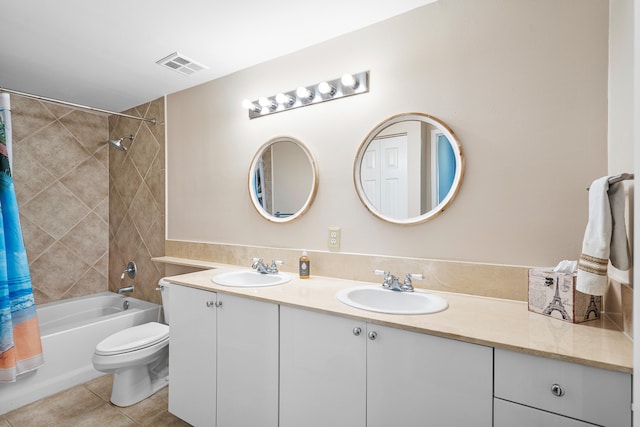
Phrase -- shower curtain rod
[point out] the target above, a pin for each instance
(71, 104)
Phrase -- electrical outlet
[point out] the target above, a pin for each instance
(334, 238)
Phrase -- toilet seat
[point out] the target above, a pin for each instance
(133, 338)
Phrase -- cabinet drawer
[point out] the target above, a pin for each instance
(591, 394)
(508, 414)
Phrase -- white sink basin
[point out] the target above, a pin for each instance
(249, 279)
(376, 298)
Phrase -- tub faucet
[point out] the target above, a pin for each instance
(259, 266)
(131, 270)
(125, 289)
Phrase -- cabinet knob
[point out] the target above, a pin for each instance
(557, 390)
(210, 303)
(372, 335)
(218, 304)
(357, 331)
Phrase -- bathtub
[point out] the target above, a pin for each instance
(70, 330)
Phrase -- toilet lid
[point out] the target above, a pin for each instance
(133, 338)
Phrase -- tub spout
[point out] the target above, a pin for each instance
(125, 289)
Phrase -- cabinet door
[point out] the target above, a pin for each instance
(415, 379)
(247, 362)
(192, 355)
(508, 414)
(322, 370)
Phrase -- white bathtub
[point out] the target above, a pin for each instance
(70, 330)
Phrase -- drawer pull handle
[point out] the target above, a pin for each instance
(557, 390)
(372, 335)
(210, 303)
(357, 331)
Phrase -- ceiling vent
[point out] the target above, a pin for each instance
(181, 64)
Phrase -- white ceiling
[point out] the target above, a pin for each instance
(103, 53)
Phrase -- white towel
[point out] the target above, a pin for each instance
(620, 254)
(598, 241)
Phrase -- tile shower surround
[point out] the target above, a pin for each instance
(60, 169)
(137, 200)
(82, 222)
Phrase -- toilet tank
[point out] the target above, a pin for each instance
(165, 289)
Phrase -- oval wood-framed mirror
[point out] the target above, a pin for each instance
(283, 179)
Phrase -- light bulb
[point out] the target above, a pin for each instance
(304, 93)
(250, 106)
(349, 81)
(267, 103)
(284, 99)
(326, 89)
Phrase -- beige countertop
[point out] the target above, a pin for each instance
(493, 322)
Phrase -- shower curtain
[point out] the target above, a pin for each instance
(20, 345)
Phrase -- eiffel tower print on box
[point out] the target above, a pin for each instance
(555, 295)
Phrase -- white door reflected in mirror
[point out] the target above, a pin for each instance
(409, 168)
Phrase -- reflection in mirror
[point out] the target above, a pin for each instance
(409, 168)
(283, 179)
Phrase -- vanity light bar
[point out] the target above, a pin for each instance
(328, 90)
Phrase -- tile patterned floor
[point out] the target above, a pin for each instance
(88, 405)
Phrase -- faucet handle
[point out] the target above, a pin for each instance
(274, 266)
(380, 272)
(407, 286)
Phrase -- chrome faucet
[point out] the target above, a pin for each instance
(125, 289)
(392, 282)
(259, 266)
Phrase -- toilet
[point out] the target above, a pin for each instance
(138, 357)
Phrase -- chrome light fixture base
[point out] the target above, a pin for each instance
(347, 85)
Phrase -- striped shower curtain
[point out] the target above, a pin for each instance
(20, 345)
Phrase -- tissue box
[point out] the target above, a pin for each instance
(555, 295)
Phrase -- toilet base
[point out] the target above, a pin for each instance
(134, 384)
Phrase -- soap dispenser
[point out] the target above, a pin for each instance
(305, 265)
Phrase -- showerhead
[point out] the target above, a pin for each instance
(117, 143)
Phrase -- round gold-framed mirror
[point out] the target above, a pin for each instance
(409, 168)
(283, 179)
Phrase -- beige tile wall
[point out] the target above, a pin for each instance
(137, 202)
(87, 210)
(61, 179)
(619, 304)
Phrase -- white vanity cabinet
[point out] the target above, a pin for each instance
(192, 355)
(342, 372)
(534, 391)
(223, 359)
(415, 379)
(247, 362)
(322, 370)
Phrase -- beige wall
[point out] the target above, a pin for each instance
(60, 171)
(619, 298)
(522, 84)
(620, 83)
